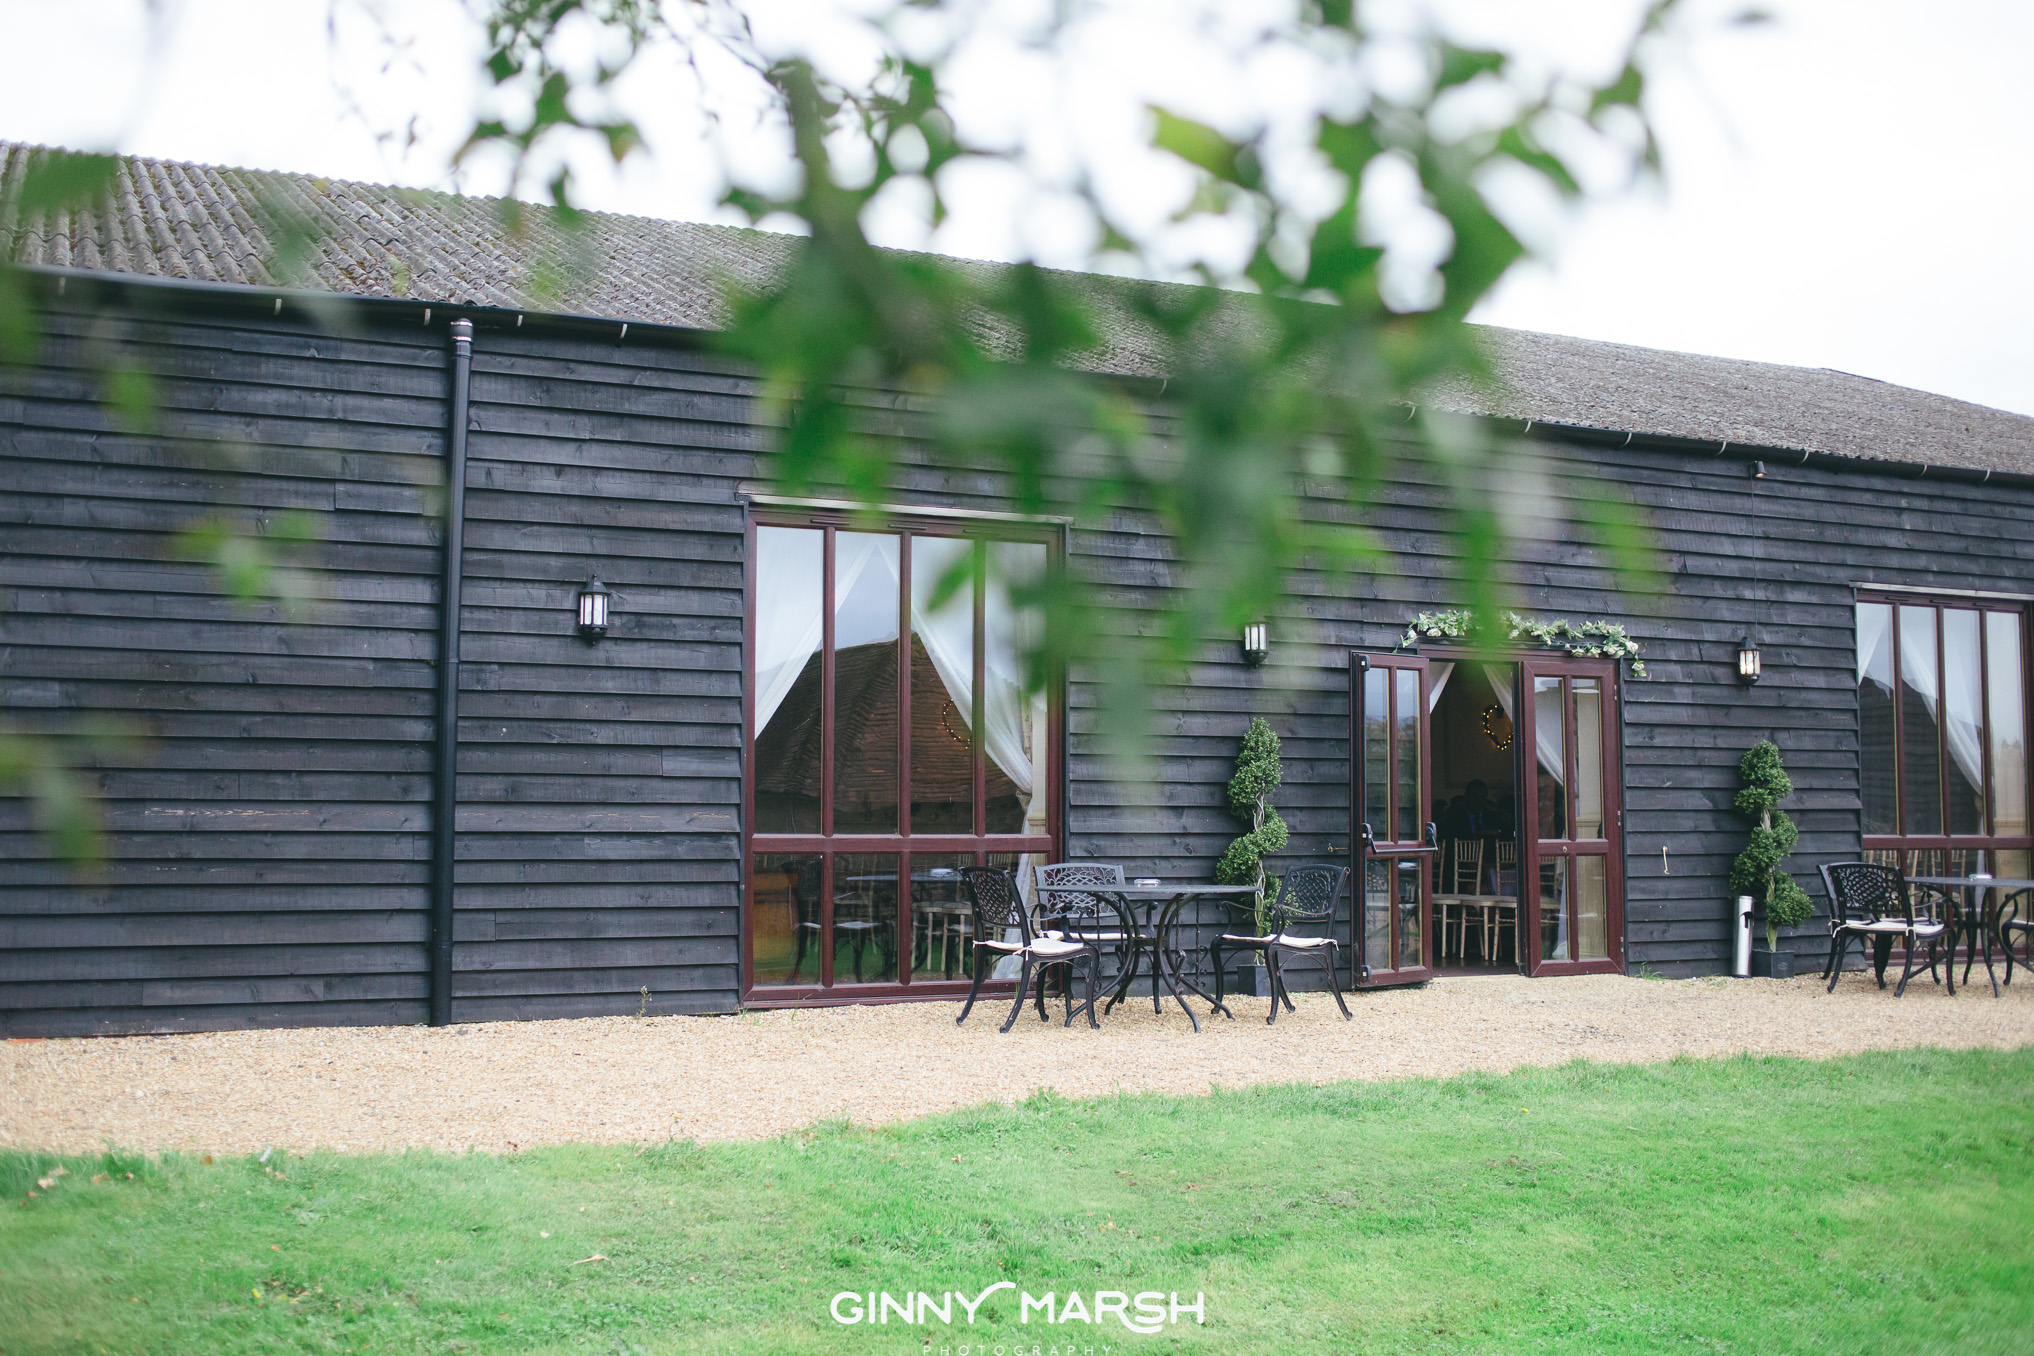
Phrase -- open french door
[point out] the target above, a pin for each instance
(1572, 817)
(1392, 846)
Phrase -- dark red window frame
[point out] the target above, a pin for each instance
(903, 843)
(1908, 845)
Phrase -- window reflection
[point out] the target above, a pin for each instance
(789, 610)
(1588, 758)
(1013, 719)
(2008, 724)
(942, 685)
(1549, 735)
(1963, 721)
(1878, 773)
(866, 696)
(1921, 765)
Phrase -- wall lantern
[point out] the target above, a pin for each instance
(1256, 643)
(593, 601)
(1748, 666)
(1758, 470)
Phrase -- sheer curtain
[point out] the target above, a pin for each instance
(1438, 674)
(1546, 741)
(1960, 723)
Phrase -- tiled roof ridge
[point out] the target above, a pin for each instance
(213, 223)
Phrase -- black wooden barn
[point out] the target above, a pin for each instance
(274, 846)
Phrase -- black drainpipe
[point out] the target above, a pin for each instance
(445, 767)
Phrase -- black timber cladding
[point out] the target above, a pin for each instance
(269, 844)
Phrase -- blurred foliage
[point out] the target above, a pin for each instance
(1290, 386)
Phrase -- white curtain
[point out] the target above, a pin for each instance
(1546, 732)
(1917, 670)
(790, 607)
(1438, 674)
(1874, 620)
(1549, 731)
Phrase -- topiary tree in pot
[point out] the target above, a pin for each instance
(1258, 772)
(1756, 872)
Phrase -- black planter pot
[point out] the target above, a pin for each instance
(1252, 981)
(1772, 964)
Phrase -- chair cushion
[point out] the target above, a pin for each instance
(1303, 941)
(1056, 946)
(995, 945)
(1245, 941)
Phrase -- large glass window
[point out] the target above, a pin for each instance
(878, 656)
(1942, 750)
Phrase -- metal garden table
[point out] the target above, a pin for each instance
(1979, 920)
(1164, 903)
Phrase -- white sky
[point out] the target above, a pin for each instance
(1849, 187)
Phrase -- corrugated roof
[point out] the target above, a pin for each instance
(211, 224)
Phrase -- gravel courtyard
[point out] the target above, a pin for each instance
(511, 1085)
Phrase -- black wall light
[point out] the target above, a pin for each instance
(1256, 643)
(1749, 665)
(593, 605)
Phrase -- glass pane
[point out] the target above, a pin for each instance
(790, 604)
(942, 924)
(942, 687)
(1588, 758)
(784, 927)
(1410, 806)
(1411, 936)
(2008, 725)
(1376, 756)
(1377, 907)
(1554, 909)
(1879, 778)
(1013, 720)
(865, 918)
(2012, 864)
(866, 749)
(1548, 735)
(1963, 720)
(1592, 909)
(1921, 777)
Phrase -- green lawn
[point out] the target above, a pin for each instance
(1875, 1204)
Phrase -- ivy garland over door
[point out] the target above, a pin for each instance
(1593, 639)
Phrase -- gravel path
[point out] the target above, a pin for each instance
(514, 1084)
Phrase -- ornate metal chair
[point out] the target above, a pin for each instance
(1000, 913)
(1076, 896)
(2016, 914)
(1870, 902)
(1306, 898)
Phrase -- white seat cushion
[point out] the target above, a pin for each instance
(1055, 946)
(1893, 926)
(1232, 937)
(1283, 940)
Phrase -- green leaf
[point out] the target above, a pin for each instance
(64, 181)
(1204, 147)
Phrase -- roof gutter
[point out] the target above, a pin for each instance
(1747, 453)
(321, 305)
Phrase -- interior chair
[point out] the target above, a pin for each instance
(1462, 870)
(1873, 903)
(1003, 928)
(1307, 898)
